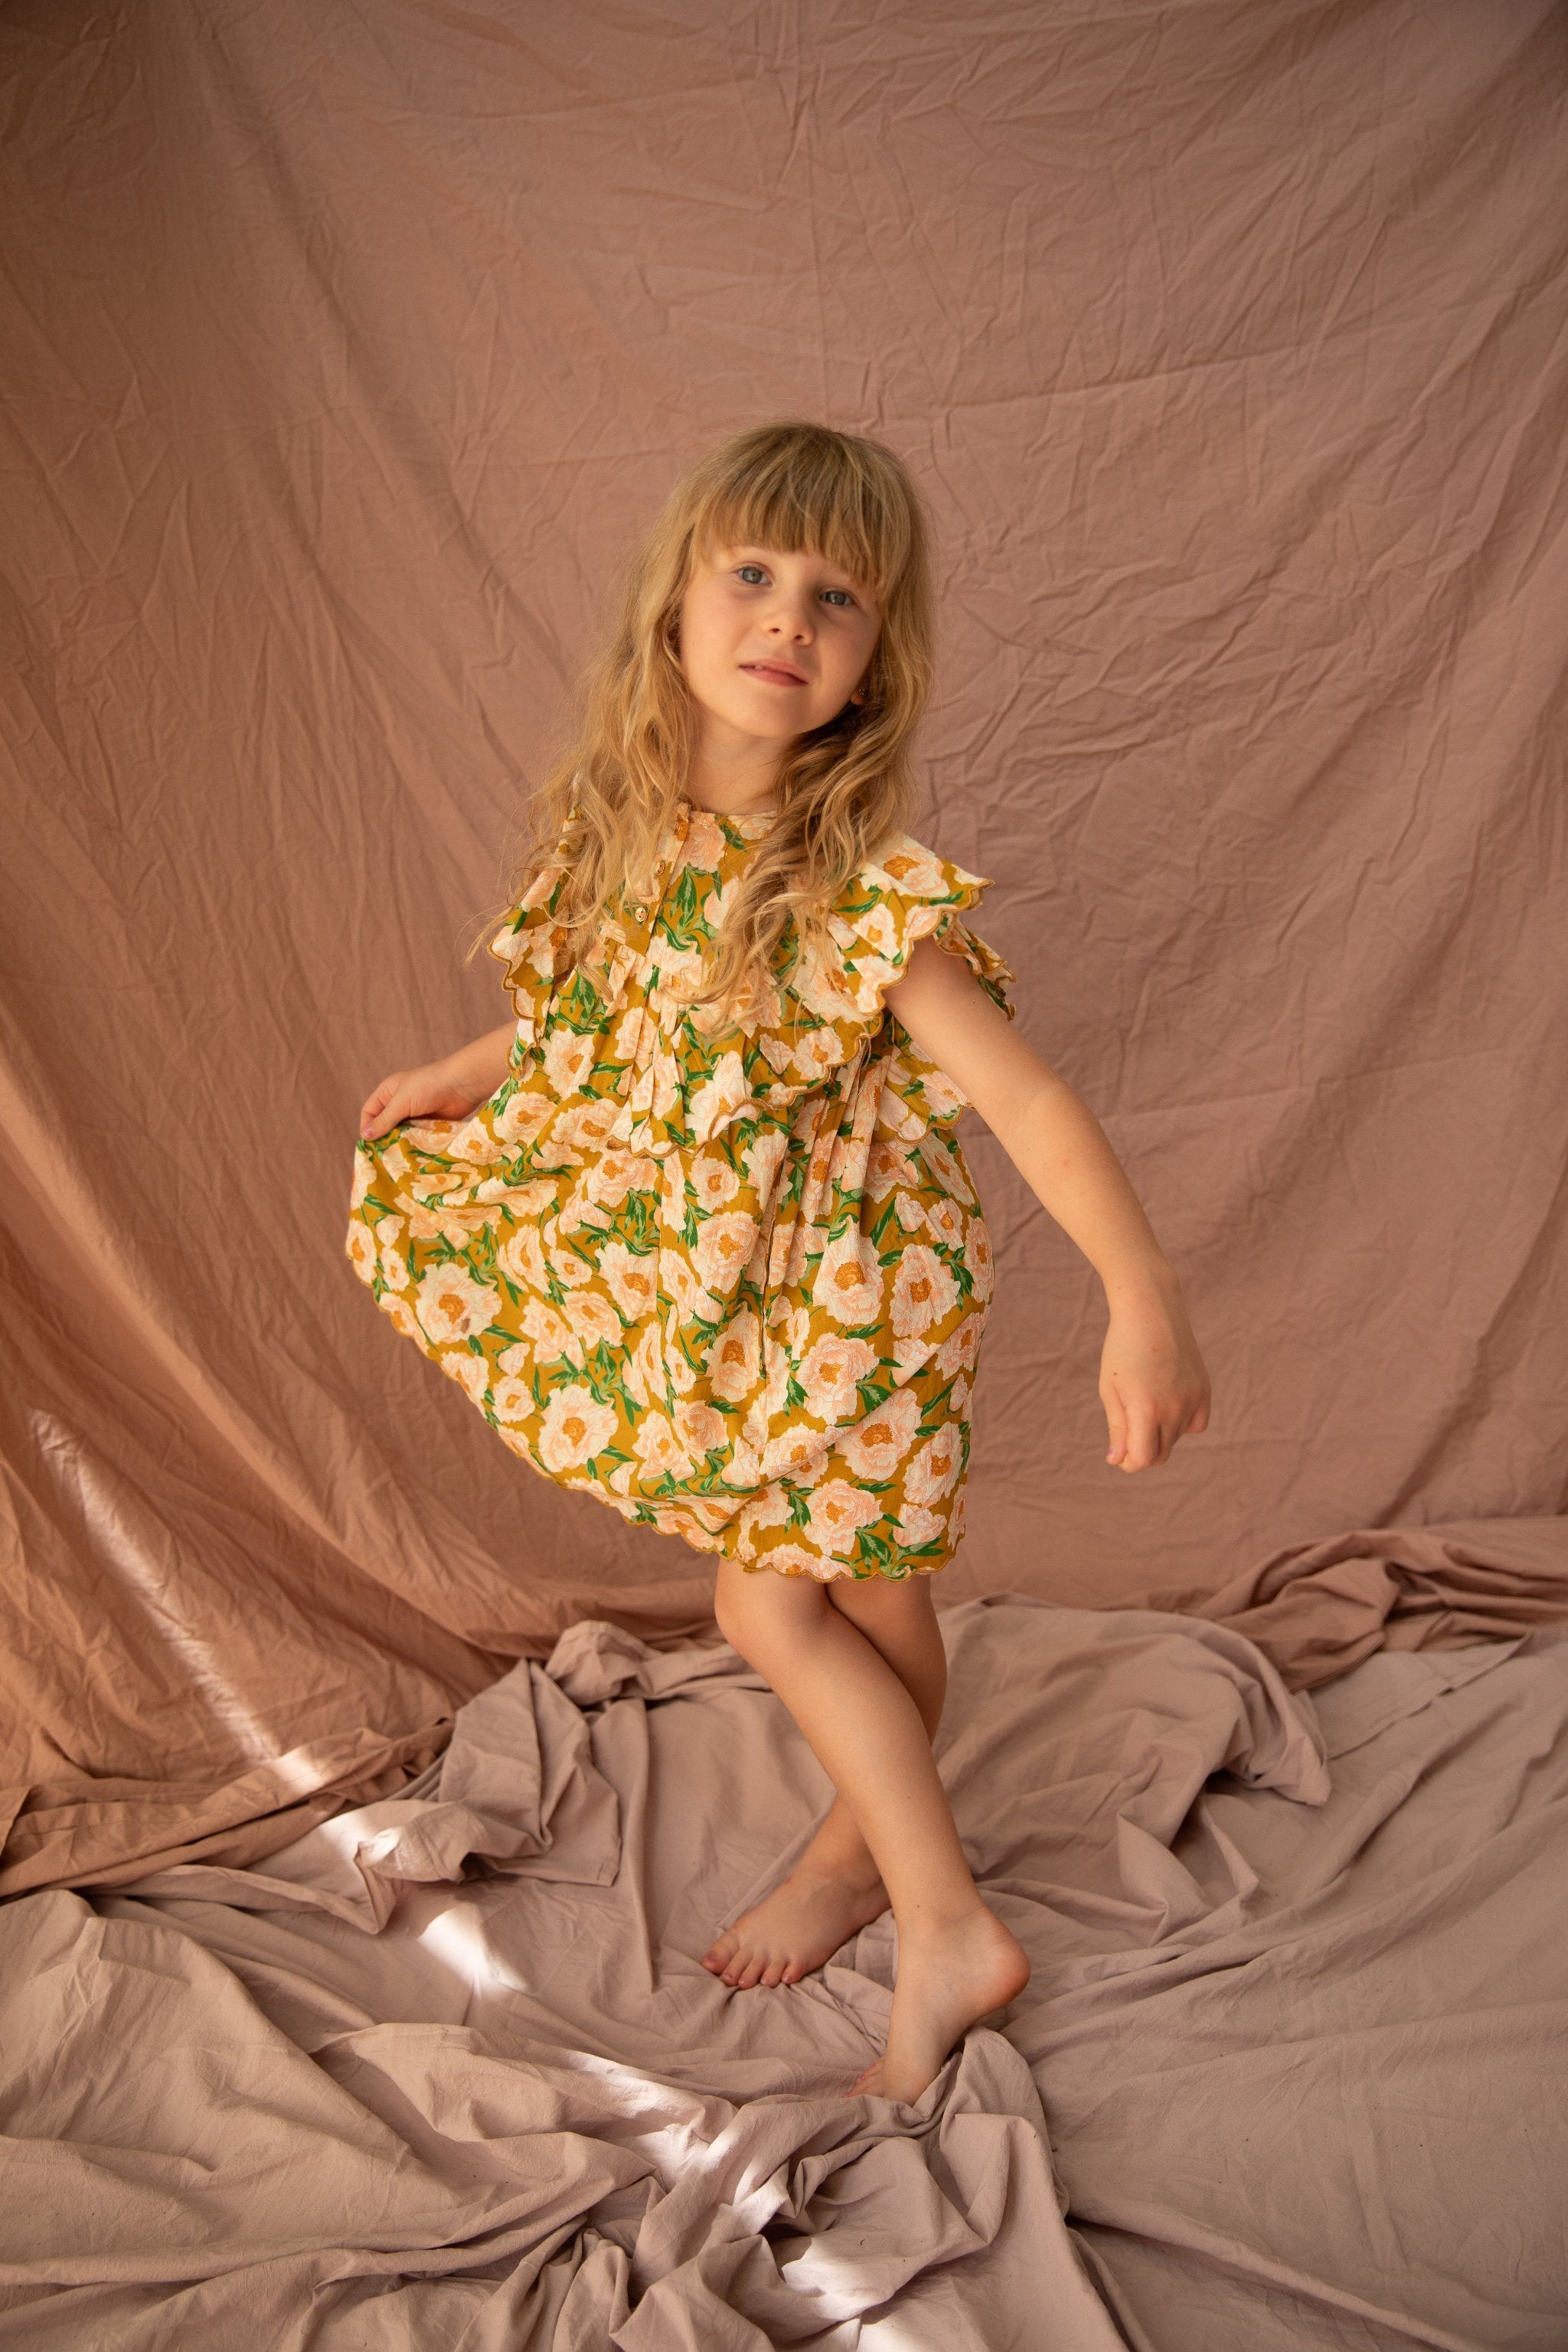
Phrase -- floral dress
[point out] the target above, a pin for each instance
(730, 1280)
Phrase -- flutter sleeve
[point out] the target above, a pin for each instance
(529, 944)
(906, 895)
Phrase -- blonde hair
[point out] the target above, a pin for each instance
(842, 789)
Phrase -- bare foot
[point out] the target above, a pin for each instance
(948, 1979)
(795, 1928)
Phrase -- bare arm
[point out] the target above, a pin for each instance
(448, 1090)
(1153, 1382)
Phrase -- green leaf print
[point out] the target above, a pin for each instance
(678, 917)
(888, 1216)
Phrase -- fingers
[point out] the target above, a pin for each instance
(1146, 1442)
(387, 1107)
(1142, 1437)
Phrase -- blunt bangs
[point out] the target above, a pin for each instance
(808, 492)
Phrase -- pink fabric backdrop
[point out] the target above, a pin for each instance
(345, 348)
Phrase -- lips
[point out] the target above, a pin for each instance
(775, 673)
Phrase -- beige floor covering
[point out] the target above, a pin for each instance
(447, 2073)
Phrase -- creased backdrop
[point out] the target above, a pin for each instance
(345, 347)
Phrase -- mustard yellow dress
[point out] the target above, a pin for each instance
(732, 1281)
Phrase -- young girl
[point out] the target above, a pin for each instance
(694, 1231)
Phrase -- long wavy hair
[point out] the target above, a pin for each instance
(842, 789)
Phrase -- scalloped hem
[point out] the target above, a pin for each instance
(857, 1575)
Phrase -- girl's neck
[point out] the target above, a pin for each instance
(734, 776)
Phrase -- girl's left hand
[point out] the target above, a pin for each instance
(1153, 1382)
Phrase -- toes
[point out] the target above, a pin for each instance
(772, 1974)
(720, 1952)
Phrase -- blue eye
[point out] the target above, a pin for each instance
(744, 568)
(842, 593)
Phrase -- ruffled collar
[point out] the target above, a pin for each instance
(750, 827)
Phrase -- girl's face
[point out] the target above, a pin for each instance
(772, 644)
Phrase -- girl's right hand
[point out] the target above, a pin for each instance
(439, 1090)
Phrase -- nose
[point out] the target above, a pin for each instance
(792, 616)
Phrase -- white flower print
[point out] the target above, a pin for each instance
(923, 1291)
(593, 1319)
(575, 1427)
(512, 1401)
(838, 1510)
(830, 1370)
(567, 1059)
(700, 1428)
(962, 1346)
(523, 1117)
(934, 1469)
(584, 1127)
(946, 1166)
(724, 1244)
(886, 1165)
(762, 1156)
(451, 1305)
(629, 1034)
(395, 1271)
(552, 1335)
(944, 1219)
(632, 1277)
(917, 1525)
(794, 1560)
(977, 1256)
(744, 1467)
(658, 1449)
(875, 1449)
(877, 928)
(797, 1455)
(734, 1357)
(646, 1375)
(573, 1268)
(912, 870)
(718, 1097)
(848, 1283)
(520, 1257)
(712, 1180)
(400, 1315)
(472, 1141)
(470, 1373)
(944, 1099)
(705, 842)
(681, 1282)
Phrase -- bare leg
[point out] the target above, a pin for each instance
(836, 1886)
(956, 1960)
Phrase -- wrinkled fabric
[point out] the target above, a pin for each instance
(727, 1274)
(448, 2072)
(346, 352)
